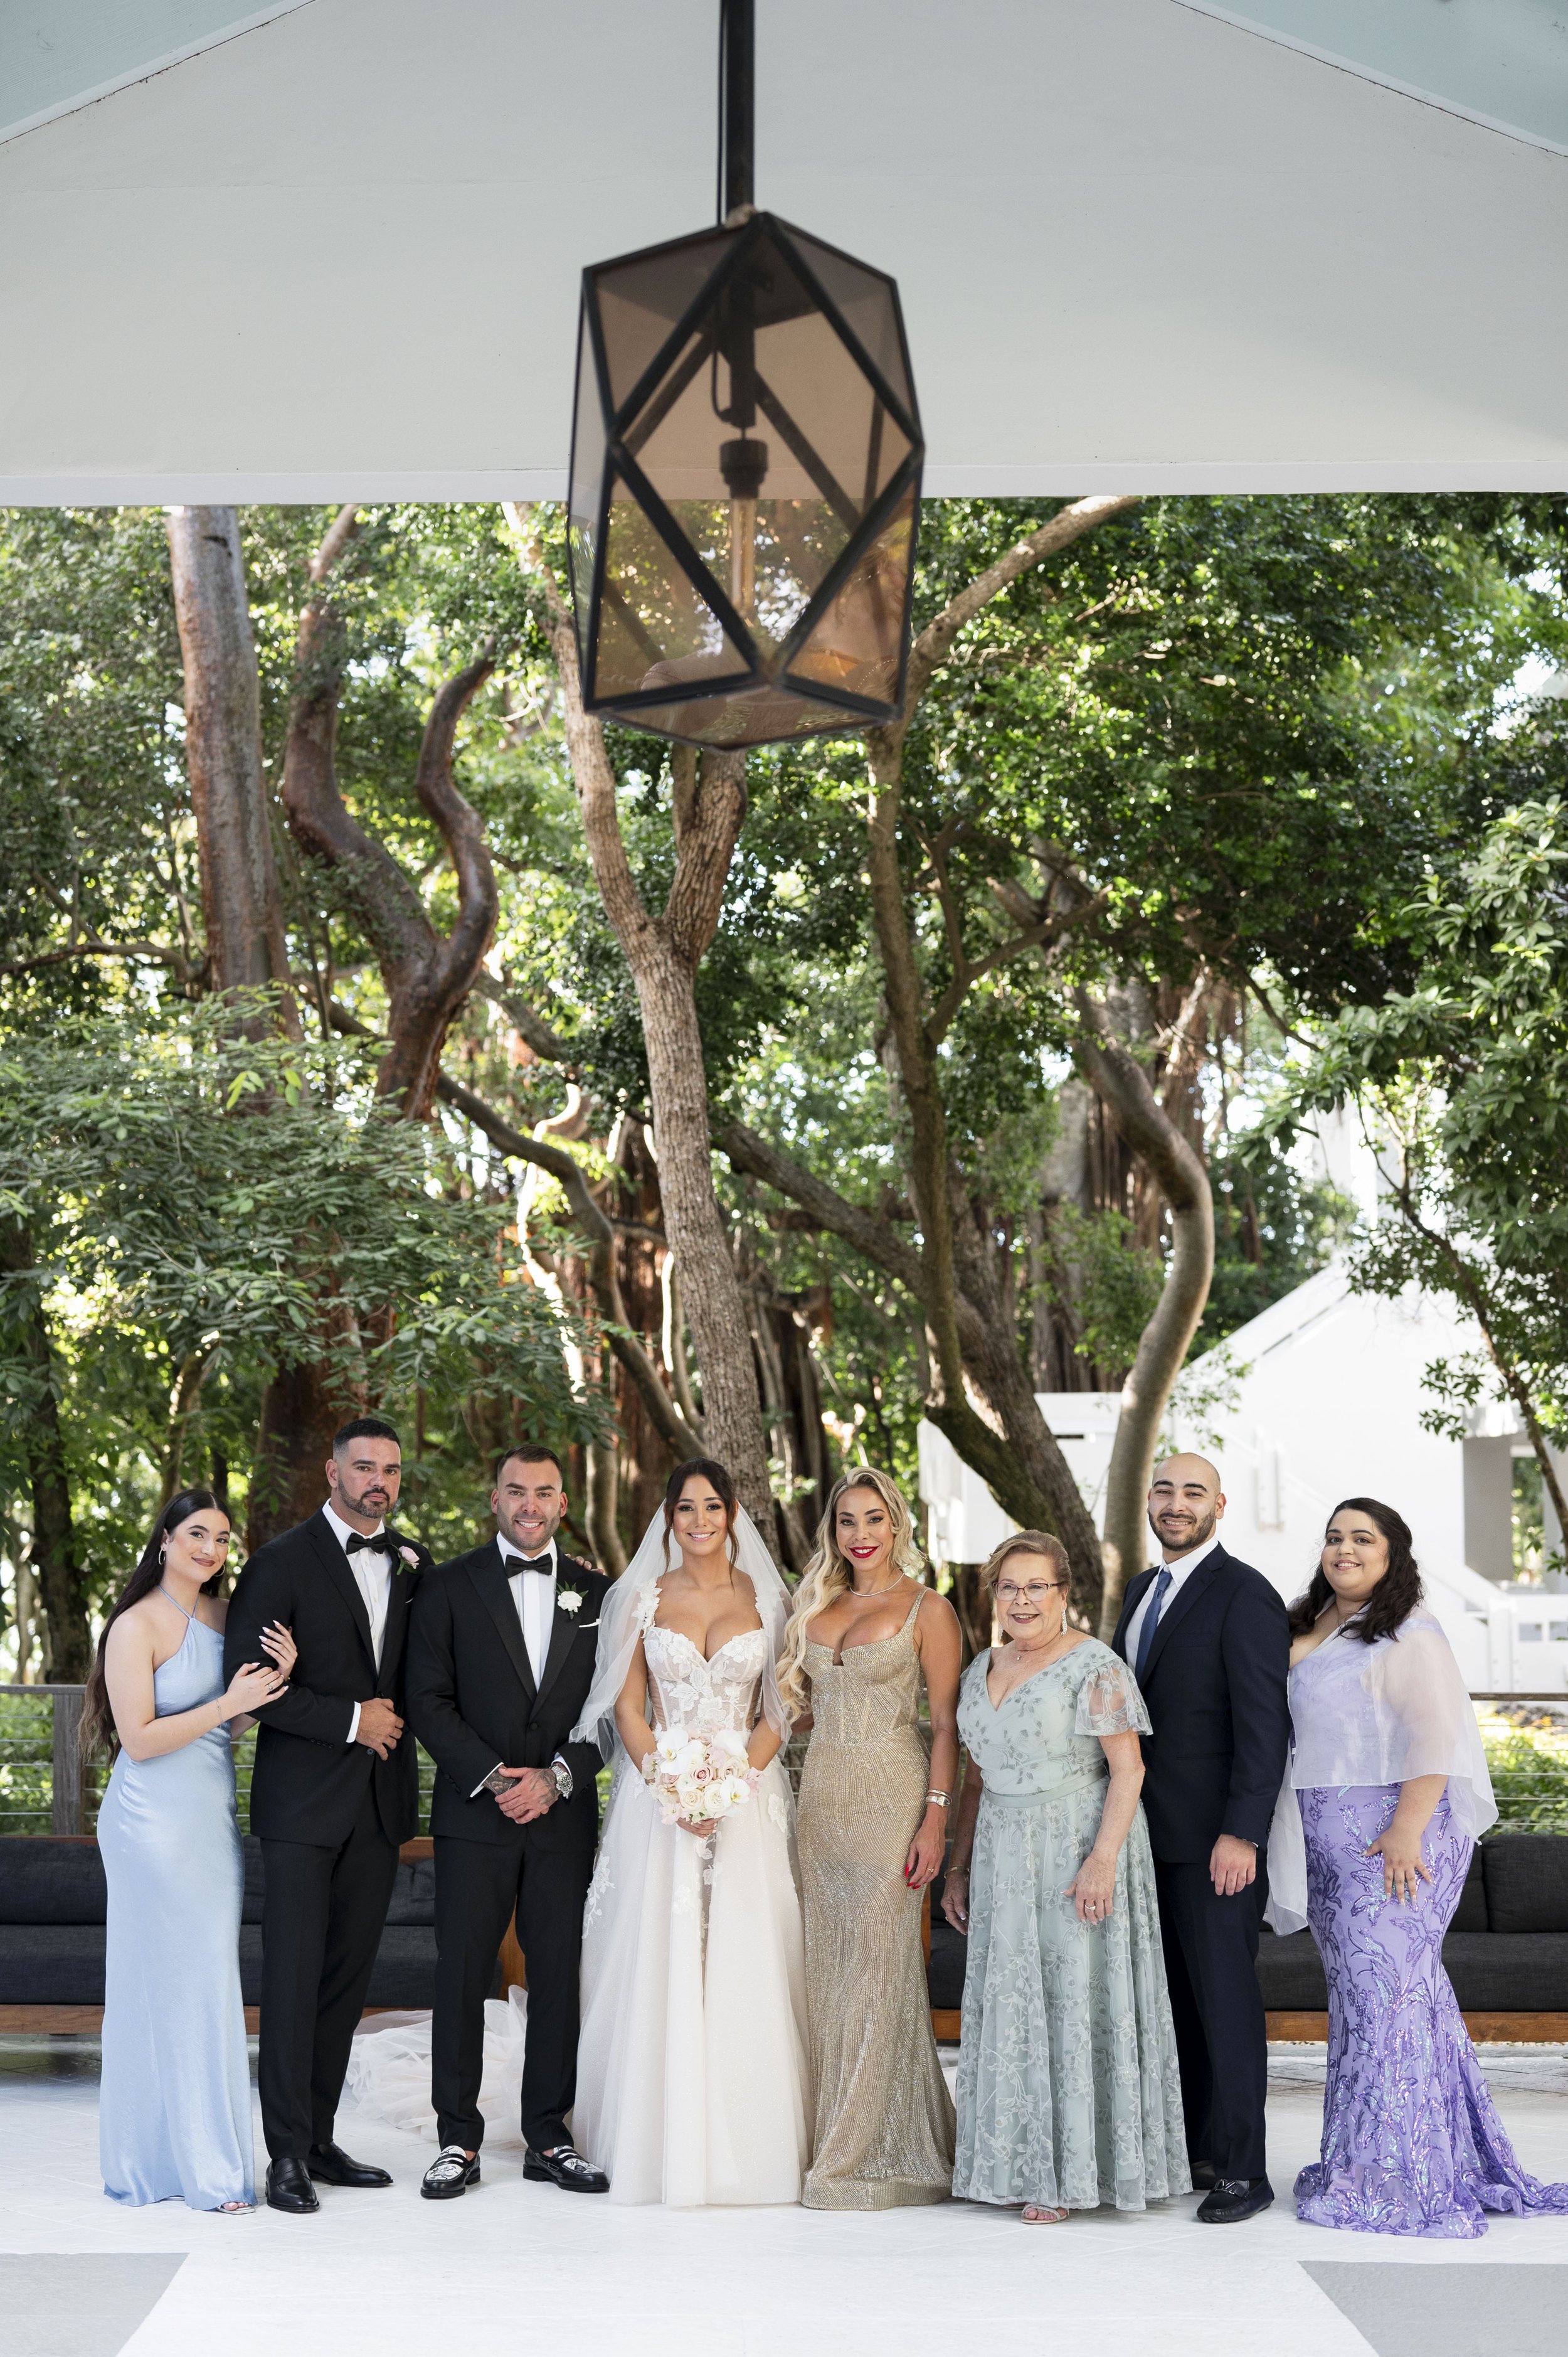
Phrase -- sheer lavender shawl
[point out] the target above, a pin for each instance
(1380, 1713)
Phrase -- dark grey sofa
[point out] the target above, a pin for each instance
(53, 1901)
(1506, 1951)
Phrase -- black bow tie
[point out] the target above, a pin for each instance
(381, 1544)
(528, 1563)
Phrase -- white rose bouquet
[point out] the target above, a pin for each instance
(699, 1777)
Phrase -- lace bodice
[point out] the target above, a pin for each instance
(702, 1696)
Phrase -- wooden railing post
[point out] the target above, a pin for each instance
(68, 1702)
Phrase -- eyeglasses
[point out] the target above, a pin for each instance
(1008, 1591)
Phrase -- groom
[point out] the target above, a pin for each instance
(334, 1792)
(1208, 1644)
(500, 1664)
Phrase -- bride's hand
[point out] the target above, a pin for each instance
(701, 1827)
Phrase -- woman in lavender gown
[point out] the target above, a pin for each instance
(1385, 1793)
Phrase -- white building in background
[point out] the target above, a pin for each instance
(1325, 1404)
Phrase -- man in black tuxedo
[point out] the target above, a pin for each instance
(335, 1791)
(499, 1663)
(1208, 1644)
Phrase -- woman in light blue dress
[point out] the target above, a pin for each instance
(1068, 2093)
(175, 2099)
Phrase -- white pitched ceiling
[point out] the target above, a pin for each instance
(56, 55)
(1139, 246)
(1502, 62)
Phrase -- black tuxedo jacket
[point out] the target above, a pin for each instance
(310, 1781)
(473, 1702)
(1215, 1686)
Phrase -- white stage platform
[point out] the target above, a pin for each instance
(522, 2269)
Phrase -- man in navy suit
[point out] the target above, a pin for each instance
(1207, 1641)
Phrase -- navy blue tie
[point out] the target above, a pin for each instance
(1151, 1622)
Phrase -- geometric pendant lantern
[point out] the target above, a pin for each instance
(746, 475)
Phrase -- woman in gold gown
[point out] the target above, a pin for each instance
(872, 1828)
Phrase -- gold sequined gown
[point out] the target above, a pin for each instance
(884, 2119)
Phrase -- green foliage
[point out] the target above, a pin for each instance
(1529, 1766)
(195, 1196)
(1463, 1084)
(1115, 1283)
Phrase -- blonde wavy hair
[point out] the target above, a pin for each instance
(827, 1574)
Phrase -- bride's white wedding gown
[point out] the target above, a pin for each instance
(692, 2069)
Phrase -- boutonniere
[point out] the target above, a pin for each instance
(410, 1557)
(567, 1600)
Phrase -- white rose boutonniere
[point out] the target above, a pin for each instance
(567, 1600)
(410, 1558)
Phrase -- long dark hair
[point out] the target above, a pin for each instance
(97, 1718)
(1396, 1595)
(709, 1470)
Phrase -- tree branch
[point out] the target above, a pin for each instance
(1121, 1084)
(932, 646)
(428, 975)
(139, 953)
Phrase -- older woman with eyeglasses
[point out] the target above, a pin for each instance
(1068, 2094)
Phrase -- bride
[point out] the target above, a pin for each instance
(691, 2073)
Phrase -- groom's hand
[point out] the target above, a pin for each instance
(1232, 1865)
(379, 1728)
(533, 1792)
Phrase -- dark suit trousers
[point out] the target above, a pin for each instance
(321, 1924)
(1212, 1948)
(477, 1884)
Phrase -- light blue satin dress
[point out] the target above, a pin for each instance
(174, 2117)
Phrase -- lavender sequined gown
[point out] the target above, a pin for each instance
(1411, 2140)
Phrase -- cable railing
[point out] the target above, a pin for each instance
(46, 1786)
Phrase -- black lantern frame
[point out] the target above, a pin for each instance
(810, 632)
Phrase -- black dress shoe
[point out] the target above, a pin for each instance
(1233, 2199)
(289, 2187)
(451, 2173)
(566, 2169)
(1203, 2174)
(332, 2166)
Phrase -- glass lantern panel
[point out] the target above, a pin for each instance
(587, 478)
(869, 302)
(769, 715)
(766, 370)
(855, 645)
(641, 300)
(655, 630)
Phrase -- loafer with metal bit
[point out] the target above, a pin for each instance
(567, 2169)
(1233, 2199)
(333, 2166)
(451, 2173)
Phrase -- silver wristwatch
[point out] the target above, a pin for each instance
(562, 1775)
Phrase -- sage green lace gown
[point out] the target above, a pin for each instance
(1067, 2090)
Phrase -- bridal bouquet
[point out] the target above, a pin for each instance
(700, 1776)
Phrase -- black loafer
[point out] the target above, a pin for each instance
(1203, 2174)
(289, 2188)
(331, 2165)
(450, 2174)
(1233, 2199)
(567, 2169)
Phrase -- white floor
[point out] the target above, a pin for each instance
(518, 2268)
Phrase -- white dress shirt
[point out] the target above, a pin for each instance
(533, 1593)
(373, 1578)
(1179, 1570)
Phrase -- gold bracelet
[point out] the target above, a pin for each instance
(938, 1800)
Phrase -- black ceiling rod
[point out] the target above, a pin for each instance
(738, 127)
